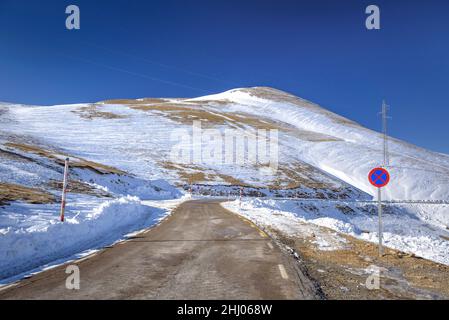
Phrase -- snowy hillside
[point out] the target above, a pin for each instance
(354, 149)
(316, 146)
(121, 154)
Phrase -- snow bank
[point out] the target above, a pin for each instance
(406, 227)
(27, 246)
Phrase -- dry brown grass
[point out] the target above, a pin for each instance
(134, 101)
(5, 154)
(187, 112)
(287, 177)
(404, 276)
(14, 192)
(232, 180)
(76, 186)
(165, 107)
(299, 174)
(221, 102)
(187, 173)
(91, 112)
(294, 176)
(313, 136)
(193, 174)
(57, 158)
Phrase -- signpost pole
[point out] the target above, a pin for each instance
(379, 177)
(379, 208)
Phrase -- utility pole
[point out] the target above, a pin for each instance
(385, 118)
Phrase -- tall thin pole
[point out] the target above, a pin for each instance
(64, 188)
(384, 131)
(379, 208)
(240, 196)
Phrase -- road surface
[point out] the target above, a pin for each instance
(202, 251)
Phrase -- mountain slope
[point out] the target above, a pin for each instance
(317, 148)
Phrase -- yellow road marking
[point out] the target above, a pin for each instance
(262, 233)
(284, 274)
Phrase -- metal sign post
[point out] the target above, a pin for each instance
(64, 189)
(379, 177)
(379, 209)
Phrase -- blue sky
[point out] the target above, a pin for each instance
(319, 50)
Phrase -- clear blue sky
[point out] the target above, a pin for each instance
(319, 50)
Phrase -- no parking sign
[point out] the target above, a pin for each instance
(379, 177)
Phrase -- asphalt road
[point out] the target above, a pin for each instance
(202, 251)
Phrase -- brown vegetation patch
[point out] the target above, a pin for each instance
(186, 114)
(341, 273)
(14, 192)
(57, 157)
(5, 154)
(313, 136)
(218, 102)
(193, 174)
(90, 112)
(165, 107)
(187, 173)
(299, 174)
(76, 186)
(287, 178)
(134, 101)
(232, 180)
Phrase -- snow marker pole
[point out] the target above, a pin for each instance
(64, 189)
(240, 197)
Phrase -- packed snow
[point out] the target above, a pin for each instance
(31, 236)
(406, 226)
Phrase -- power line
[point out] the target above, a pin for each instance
(136, 74)
(164, 65)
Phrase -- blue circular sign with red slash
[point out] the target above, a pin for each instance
(379, 177)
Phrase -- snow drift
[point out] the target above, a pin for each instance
(23, 248)
(405, 227)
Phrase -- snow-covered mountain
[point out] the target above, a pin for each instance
(121, 151)
(348, 150)
(317, 148)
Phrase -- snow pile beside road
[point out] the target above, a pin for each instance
(405, 228)
(35, 242)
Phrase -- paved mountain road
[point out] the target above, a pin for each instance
(202, 251)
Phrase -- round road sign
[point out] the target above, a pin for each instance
(379, 177)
